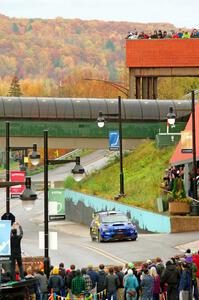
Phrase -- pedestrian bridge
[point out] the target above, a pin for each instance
(72, 121)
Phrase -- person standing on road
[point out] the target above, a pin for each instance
(94, 278)
(69, 277)
(101, 281)
(56, 282)
(78, 286)
(15, 241)
(171, 276)
(130, 285)
(43, 283)
(111, 284)
(147, 283)
(156, 286)
(88, 281)
(120, 275)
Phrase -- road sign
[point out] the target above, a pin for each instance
(114, 140)
(56, 204)
(18, 176)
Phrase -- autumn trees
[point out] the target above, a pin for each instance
(45, 53)
(15, 89)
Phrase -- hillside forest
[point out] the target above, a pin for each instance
(58, 57)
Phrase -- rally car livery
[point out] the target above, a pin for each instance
(112, 225)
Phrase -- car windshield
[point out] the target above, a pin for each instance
(114, 218)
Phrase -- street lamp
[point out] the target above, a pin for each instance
(171, 118)
(34, 158)
(78, 172)
(101, 122)
(28, 196)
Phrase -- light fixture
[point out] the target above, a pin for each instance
(34, 156)
(28, 196)
(78, 171)
(171, 117)
(100, 120)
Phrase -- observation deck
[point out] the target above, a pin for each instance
(148, 59)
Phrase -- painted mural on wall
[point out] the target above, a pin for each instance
(80, 208)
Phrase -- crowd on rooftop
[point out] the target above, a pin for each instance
(163, 34)
(177, 279)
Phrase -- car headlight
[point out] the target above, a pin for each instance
(104, 229)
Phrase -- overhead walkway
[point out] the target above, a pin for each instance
(72, 121)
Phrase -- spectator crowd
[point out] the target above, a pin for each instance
(163, 34)
(178, 172)
(177, 279)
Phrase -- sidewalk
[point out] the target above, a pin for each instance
(194, 246)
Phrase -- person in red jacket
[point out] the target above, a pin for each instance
(196, 261)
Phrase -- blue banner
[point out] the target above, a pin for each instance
(5, 229)
(114, 140)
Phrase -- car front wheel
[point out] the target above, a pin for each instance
(99, 238)
(91, 234)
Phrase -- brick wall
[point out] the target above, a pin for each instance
(184, 224)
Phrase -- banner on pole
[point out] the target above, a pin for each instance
(56, 204)
(17, 176)
(114, 140)
(52, 240)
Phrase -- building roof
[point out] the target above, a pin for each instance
(178, 156)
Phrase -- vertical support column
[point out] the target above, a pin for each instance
(121, 151)
(194, 145)
(46, 230)
(138, 93)
(186, 178)
(150, 87)
(155, 87)
(144, 87)
(7, 166)
(131, 84)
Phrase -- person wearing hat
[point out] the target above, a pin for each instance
(193, 268)
(43, 283)
(130, 285)
(55, 281)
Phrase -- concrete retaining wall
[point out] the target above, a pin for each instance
(79, 208)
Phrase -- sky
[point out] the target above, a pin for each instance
(181, 13)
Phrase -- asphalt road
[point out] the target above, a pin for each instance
(74, 243)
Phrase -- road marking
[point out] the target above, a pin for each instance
(105, 254)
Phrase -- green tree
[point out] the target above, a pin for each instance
(15, 27)
(15, 90)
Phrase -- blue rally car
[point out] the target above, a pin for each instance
(112, 225)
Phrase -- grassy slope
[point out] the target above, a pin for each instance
(143, 173)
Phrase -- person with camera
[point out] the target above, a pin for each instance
(15, 241)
